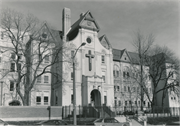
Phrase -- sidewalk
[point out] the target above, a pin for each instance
(135, 123)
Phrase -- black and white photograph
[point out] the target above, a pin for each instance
(90, 62)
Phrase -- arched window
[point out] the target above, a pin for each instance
(116, 71)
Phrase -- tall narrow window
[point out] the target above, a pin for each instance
(102, 59)
(117, 88)
(46, 79)
(19, 67)
(0, 59)
(11, 86)
(13, 56)
(125, 102)
(46, 100)
(12, 67)
(46, 59)
(125, 88)
(103, 77)
(124, 74)
(39, 79)
(38, 100)
(128, 89)
(119, 103)
(105, 97)
(127, 74)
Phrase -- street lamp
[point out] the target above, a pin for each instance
(74, 86)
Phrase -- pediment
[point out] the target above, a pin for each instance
(105, 42)
(44, 33)
(125, 56)
(88, 22)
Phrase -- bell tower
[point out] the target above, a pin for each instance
(66, 21)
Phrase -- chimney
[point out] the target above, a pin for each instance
(66, 21)
(82, 14)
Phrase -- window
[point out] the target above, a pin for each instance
(11, 86)
(127, 74)
(124, 74)
(19, 67)
(125, 102)
(45, 100)
(71, 75)
(20, 56)
(119, 103)
(38, 100)
(117, 88)
(46, 59)
(13, 56)
(46, 79)
(135, 102)
(128, 89)
(105, 99)
(144, 103)
(0, 59)
(114, 88)
(12, 67)
(139, 102)
(130, 102)
(174, 98)
(102, 59)
(115, 101)
(124, 88)
(103, 77)
(39, 79)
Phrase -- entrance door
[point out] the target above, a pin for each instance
(95, 98)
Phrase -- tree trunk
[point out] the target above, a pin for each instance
(26, 98)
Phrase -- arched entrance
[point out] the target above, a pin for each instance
(95, 98)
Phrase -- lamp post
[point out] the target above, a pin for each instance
(1, 92)
(74, 86)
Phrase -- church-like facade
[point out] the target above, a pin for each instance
(94, 64)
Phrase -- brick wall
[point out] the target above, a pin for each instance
(22, 113)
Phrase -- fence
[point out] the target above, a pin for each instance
(107, 111)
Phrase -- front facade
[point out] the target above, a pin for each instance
(93, 69)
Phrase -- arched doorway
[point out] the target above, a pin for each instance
(95, 98)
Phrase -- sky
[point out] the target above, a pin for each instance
(118, 19)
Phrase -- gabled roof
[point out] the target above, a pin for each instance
(79, 23)
(45, 29)
(105, 42)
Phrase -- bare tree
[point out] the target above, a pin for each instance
(34, 50)
(164, 72)
(142, 44)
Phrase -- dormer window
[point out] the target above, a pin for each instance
(124, 58)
